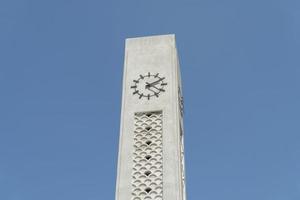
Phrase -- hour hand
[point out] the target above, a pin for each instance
(155, 93)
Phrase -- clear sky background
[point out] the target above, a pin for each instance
(61, 65)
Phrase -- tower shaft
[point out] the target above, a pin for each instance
(151, 152)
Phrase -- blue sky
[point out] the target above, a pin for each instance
(61, 67)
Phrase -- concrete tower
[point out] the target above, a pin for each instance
(151, 155)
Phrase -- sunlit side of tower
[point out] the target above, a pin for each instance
(151, 147)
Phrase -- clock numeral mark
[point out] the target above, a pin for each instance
(141, 77)
(134, 86)
(141, 95)
(164, 84)
(156, 75)
(135, 81)
(148, 74)
(162, 90)
(135, 92)
(148, 96)
(156, 94)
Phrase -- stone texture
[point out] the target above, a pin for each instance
(155, 54)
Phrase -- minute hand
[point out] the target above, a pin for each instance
(155, 82)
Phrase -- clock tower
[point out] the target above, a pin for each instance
(151, 152)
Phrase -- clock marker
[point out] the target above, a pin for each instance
(134, 86)
(135, 81)
(148, 96)
(156, 75)
(141, 95)
(141, 77)
(135, 92)
(164, 84)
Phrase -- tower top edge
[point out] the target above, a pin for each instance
(151, 37)
(154, 39)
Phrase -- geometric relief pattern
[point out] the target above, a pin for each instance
(147, 176)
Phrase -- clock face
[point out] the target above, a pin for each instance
(148, 86)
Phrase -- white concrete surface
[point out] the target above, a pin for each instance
(154, 54)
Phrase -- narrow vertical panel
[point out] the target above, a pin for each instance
(147, 176)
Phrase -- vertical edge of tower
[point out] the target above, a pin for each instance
(117, 192)
(181, 120)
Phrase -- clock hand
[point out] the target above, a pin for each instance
(155, 93)
(159, 89)
(155, 87)
(154, 83)
(147, 85)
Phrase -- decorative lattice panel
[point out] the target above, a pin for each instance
(147, 177)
